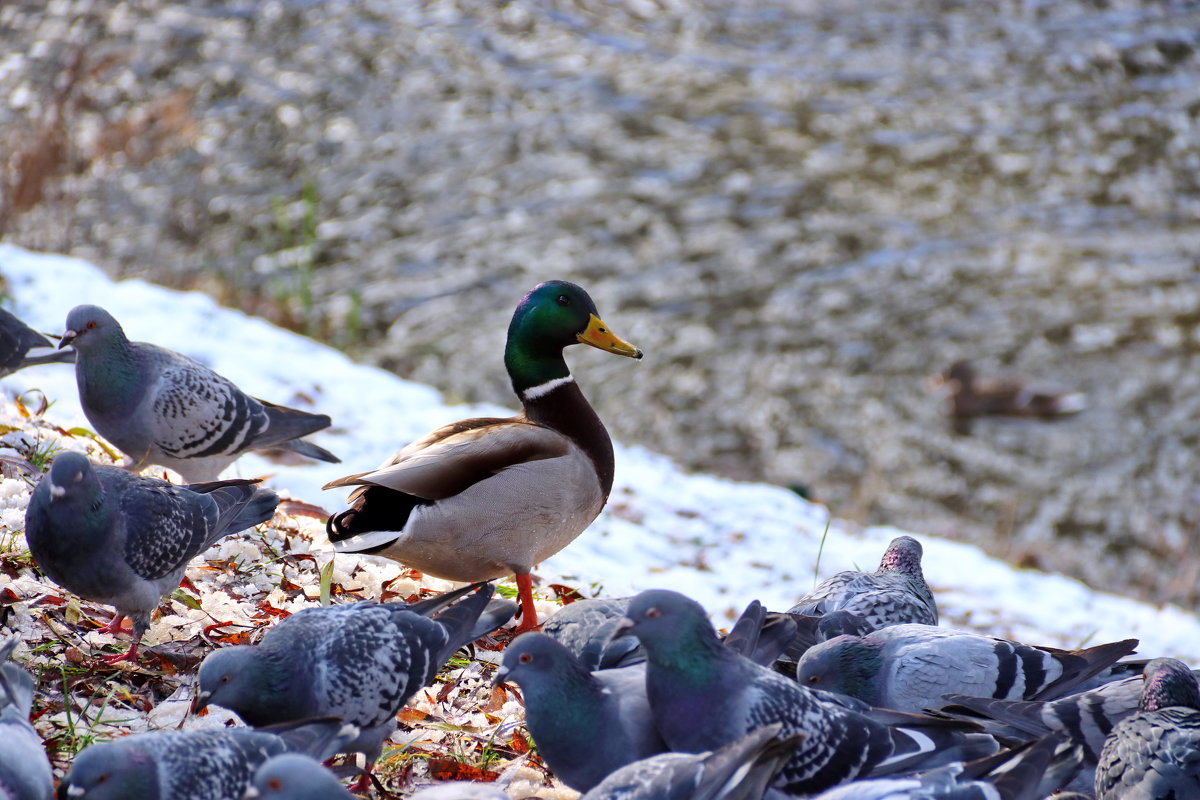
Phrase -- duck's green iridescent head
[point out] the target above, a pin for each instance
(554, 315)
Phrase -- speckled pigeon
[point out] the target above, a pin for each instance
(1029, 772)
(114, 537)
(163, 408)
(17, 340)
(893, 594)
(704, 696)
(293, 776)
(566, 706)
(910, 667)
(741, 770)
(24, 769)
(360, 661)
(211, 764)
(1155, 754)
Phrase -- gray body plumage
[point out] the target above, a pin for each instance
(193, 765)
(910, 667)
(21, 346)
(360, 662)
(117, 538)
(160, 407)
(741, 770)
(1155, 753)
(585, 627)
(895, 593)
(24, 769)
(704, 696)
(293, 776)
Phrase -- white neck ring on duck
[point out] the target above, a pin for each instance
(543, 389)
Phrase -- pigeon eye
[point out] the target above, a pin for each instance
(275, 784)
(652, 613)
(525, 658)
(103, 777)
(563, 300)
(226, 678)
(91, 324)
(814, 679)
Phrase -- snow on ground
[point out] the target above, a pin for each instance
(722, 542)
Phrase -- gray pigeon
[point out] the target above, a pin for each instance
(741, 770)
(160, 407)
(567, 706)
(360, 661)
(212, 764)
(18, 340)
(24, 769)
(704, 696)
(1029, 772)
(893, 594)
(585, 628)
(910, 667)
(293, 776)
(113, 537)
(1155, 754)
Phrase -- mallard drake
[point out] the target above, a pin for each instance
(977, 397)
(483, 498)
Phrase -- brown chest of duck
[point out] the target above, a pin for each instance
(488, 497)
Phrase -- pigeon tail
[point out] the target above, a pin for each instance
(286, 424)
(319, 737)
(466, 621)
(242, 504)
(1080, 665)
(307, 449)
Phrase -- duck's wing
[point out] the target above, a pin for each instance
(449, 460)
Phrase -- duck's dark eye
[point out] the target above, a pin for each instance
(563, 300)
(525, 658)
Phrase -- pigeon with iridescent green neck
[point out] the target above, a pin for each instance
(484, 498)
(110, 536)
(160, 407)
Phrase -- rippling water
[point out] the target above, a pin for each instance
(799, 210)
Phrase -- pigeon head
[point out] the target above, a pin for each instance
(111, 771)
(89, 327)
(845, 664)
(534, 659)
(902, 555)
(669, 625)
(239, 678)
(71, 478)
(554, 315)
(292, 776)
(1168, 683)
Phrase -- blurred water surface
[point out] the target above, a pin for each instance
(799, 210)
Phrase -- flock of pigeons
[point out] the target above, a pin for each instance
(854, 693)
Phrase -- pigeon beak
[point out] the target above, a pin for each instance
(501, 676)
(200, 701)
(623, 629)
(67, 338)
(251, 793)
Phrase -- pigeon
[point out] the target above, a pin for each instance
(1155, 754)
(704, 696)
(359, 661)
(1028, 772)
(585, 628)
(210, 764)
(17, 340)
(741, 770)
(893, 594)
(566, 705)
(24, 769)
(160, 407)
(487, 497)
(292, 776)
(909, 667)
(110, 536)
